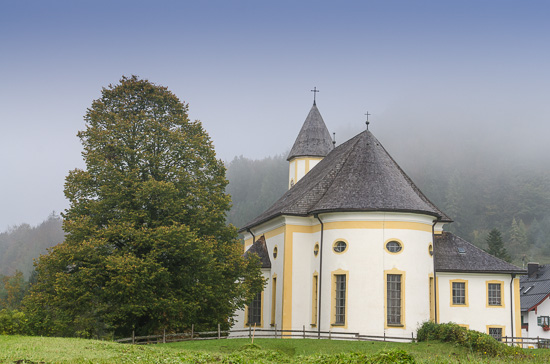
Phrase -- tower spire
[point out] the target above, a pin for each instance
(367, 122)
(314, 93)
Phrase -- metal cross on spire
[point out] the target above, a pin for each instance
(367, 122)
(314, 92)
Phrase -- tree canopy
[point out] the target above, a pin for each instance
(147, 246)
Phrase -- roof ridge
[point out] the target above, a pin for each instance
(337, 173)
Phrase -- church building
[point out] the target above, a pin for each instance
(355, 246)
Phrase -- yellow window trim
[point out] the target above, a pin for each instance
(273, 298)
(275, 253)
(430, 247)
(403, 321)
(501, 294)
(314, 298)
(466, 302)
(261, 313)
(333, 298)
(394, 253)
(334, 244)
(467, 327)
(316, 247)
(496, 327)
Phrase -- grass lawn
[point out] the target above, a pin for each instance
(23, 349)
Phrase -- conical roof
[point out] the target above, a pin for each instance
(358, 175)
(314, 137)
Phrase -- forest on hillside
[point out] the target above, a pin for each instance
(478, 196)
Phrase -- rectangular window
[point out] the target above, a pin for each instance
(273, 299)
(494, 294)
(459, 293)
(340, 307)
(543, 321)
(496, 332)
(394, 299)
(255, 310)
(314, 292)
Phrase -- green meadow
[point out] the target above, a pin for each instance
(28, 350)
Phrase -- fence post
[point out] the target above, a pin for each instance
(219, 333)
(164, 336)
(275, 331)
(192, 331)
(304, 331)
(412, 336)
(249, 332)
(384, 335)
(133, 337)
(329, 333)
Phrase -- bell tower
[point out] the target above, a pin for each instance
(311, 146)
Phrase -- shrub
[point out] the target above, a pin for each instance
(451, 332)
(13, 322)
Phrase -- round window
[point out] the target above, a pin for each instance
(340, 246)
(393, 246)
(316, 249)
(275, 253)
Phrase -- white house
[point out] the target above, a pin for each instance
(355, 246)
(535, 301)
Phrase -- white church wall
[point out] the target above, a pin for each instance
(365, 262)
(476, 313)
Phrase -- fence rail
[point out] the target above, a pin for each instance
(527, 342)
(259, 333)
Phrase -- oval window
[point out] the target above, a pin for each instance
(340, 246)
(393, 246)
(316, 249)
(275, 253)
(431, 250)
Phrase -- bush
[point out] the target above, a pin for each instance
(451, 332)
(393, 356)
(13, 322)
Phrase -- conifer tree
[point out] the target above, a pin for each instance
(147, 246)
(496, 245)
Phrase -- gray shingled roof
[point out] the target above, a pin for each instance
(540, 287)
(358, 175)
(260, 249)
(314, 138)
(472, 260)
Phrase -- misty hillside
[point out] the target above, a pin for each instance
(475, 191)
(21, 244)
(471, 188)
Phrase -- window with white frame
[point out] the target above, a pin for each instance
(394, 299)
(496, 332)
(494, 294)
(459, 293)
(340, 308)
(255, 310)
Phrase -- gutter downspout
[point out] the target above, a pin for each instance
(253, 236)
(320, 277)
(435, 277)
(511, 305)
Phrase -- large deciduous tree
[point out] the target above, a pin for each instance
(147, 246)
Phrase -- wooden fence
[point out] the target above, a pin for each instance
(527, 342)
(251, 333)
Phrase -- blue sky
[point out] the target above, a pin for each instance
(452, 72)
